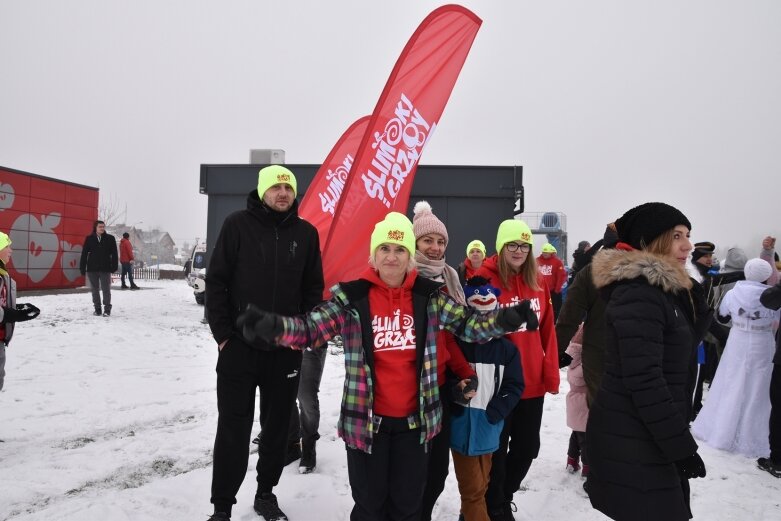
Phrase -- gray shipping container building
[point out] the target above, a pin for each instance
(470, 200)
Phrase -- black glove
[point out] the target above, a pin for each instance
(691, 467)
(510, 319)
(22, 313)
(459, 395)
(256, 324)
(564, 360)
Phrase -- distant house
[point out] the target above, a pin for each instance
(159, 248)
(149, 248)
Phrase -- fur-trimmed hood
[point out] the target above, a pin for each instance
(611, 266)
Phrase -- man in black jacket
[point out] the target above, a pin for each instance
(268, 256)
(98, 262)
(771, 298)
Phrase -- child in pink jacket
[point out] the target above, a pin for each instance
(577, 407)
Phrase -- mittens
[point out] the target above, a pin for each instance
(512, 318)
(256, 323)
(691, 467)
(22, 313)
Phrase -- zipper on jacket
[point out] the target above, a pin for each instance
(276, 269)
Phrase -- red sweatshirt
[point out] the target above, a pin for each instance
(539, 350)
(552, 270)
(125, 251)
(395, 354)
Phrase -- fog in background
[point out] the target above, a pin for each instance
(606, 104)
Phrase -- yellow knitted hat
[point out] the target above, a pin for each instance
(5, 241)
(275, 174)
(548, 248)
(513, 230)
(394, 229)
(475, 244)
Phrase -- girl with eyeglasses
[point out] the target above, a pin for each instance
(514, 271)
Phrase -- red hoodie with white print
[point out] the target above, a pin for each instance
(538, 349)
(395, 356)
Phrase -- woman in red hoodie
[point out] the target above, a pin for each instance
(514, 270)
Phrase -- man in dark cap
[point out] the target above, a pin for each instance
(708, 354)
(702, 258)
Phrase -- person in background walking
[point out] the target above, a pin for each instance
(10, 311)
(553, 273)
(514, 271)
(641, 453)
(126, 260)
(475, 255)
(98, 262)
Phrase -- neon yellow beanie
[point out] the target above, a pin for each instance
(5, 241)
(394, 229)
(512, 230)
(548, 248)
(273, 175)
(475, 244)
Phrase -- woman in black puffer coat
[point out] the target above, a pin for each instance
(642, 453)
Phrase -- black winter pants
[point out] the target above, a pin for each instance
(775, 415)
(242, 369)
(439, 459)
(387, 485)
(519, 445)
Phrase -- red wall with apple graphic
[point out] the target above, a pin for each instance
(47, 220)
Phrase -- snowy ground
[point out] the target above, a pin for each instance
(114, 418)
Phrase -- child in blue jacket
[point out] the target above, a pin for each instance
(479, 411)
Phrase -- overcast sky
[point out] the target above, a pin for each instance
(606, 104)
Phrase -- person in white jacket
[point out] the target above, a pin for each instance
(736, 413)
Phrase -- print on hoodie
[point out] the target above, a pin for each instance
(393, 333)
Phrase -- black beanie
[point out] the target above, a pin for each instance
(642, 224)
(610, 237)
(702, 248)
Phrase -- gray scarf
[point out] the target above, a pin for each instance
(439, 271)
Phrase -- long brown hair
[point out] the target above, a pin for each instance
(662, 244)
(528, 270)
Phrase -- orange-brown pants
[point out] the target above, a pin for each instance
(472, 473)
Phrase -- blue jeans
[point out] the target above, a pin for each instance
(127, 269)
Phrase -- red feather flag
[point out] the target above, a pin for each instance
(401, 125)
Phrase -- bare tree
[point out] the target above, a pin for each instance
(110, 210)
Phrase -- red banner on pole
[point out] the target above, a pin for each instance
(403, 121)
(322, 197)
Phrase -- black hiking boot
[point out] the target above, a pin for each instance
(308, 459)
(107, 310)
(97, 312)
(766, 464)
(267, 507)
(219, 516)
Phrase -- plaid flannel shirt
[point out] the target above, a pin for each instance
(357, 422)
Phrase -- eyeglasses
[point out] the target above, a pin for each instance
(514, 246)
